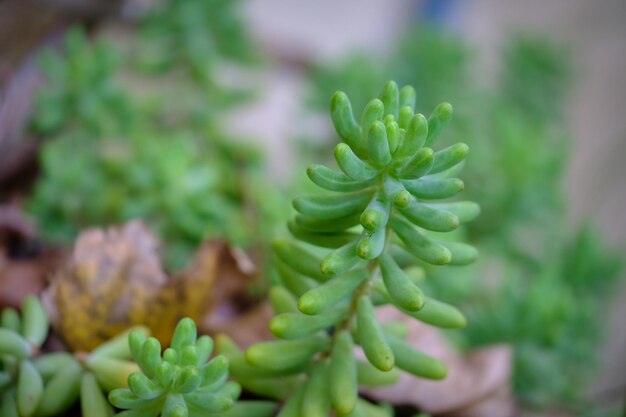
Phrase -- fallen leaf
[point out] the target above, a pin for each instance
(114, 280)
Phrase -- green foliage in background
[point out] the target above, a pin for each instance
(185, 189)
(545, 297)
(436, 63)
(548, 310)
(114, 152)
(536, 77)
(81, 93)
(195, 35)
(197, 42)
(357, 247)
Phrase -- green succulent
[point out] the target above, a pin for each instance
(36, 384)
(181, 381)
(21, 337)
(129, 366)
(379, 215)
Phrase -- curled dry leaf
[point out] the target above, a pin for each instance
(115, 280)
(478, 383)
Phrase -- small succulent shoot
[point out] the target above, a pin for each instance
(181, 381)
(49, 384)
(380, 214)
(21, 338)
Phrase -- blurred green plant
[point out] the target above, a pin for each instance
(81, 92)
(185, 189)
(536, 77)
(198, 38)
(549, 312)
(196, 35)
(135, 157)
(21, 337)
(436, 63)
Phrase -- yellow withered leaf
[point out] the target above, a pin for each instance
(114, 280)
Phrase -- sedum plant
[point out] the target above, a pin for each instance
(21, 337)
(377, 225)
(129, 367)
(39, 384)
(178, 383)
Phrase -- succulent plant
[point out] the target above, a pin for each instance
(21, 338)
(39, 384)
(376, 223)
(179, 382)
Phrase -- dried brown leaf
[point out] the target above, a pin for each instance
(114, 280)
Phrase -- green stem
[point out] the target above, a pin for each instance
(363, 289)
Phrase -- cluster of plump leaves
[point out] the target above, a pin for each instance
(21, 337)
(39, 384)
(508, 124)
(379, 217)
(184, 382)
(180, 382)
